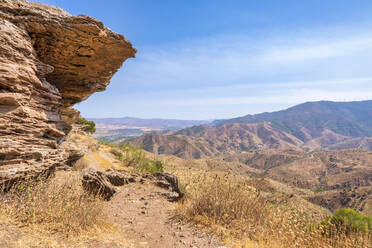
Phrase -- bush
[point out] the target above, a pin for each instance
(134, 156)
(89, 126)
(131, 155)
(347, 220)
(233, 205)
(150, 166)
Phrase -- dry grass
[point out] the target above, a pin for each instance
(237, 212)
(55, 213)
(54, 206)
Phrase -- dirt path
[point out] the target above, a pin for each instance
(143, 214)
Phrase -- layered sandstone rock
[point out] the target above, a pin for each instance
(49, 60)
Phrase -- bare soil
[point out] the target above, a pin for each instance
(144, 215)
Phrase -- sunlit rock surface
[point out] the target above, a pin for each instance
(49, 61)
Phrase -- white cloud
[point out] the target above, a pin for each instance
(289, 97)
(262, 87)
(239, 62)
(238, 70)
(319, 50)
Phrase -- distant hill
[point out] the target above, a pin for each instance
(213, 141)
(178, 145)
(309, 120)
(308, 126)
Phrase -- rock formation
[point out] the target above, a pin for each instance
(103, 183)
(49, 61)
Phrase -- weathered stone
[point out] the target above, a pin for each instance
(49, 60)
(73, 157)
(168, 181)
(102, 182)
(117, 178)
(96, 183)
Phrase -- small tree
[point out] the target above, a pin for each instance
(89, 126)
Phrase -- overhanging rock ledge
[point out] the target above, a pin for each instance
(49, 61)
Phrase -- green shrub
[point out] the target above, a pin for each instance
(89, 126)
(347, 220)
(117, 153)
(131, 155)
(150, 166)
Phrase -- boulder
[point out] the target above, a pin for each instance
(169, 182)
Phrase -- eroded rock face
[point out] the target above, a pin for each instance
(49, 60)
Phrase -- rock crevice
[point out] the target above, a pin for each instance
(49, 61)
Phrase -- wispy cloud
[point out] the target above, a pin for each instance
(232, 59)
(291, 97)
(314, 50)
(233, 70)
(263, 87)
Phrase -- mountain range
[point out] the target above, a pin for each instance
(308, 126)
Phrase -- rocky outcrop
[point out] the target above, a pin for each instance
(97, 183)
(49, 61)
(168, 181)
(103, 183)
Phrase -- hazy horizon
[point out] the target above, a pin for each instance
(197, 60)
(154, 118)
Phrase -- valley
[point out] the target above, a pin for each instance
(295, 178)
(122, 129)
(331, 179)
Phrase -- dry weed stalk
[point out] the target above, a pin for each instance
(54, 206)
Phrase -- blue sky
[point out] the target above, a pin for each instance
(204, 59)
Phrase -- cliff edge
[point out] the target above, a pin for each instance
(49, 61)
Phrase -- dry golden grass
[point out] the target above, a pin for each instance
(237, 212)
(55, 213)
(54, 206)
